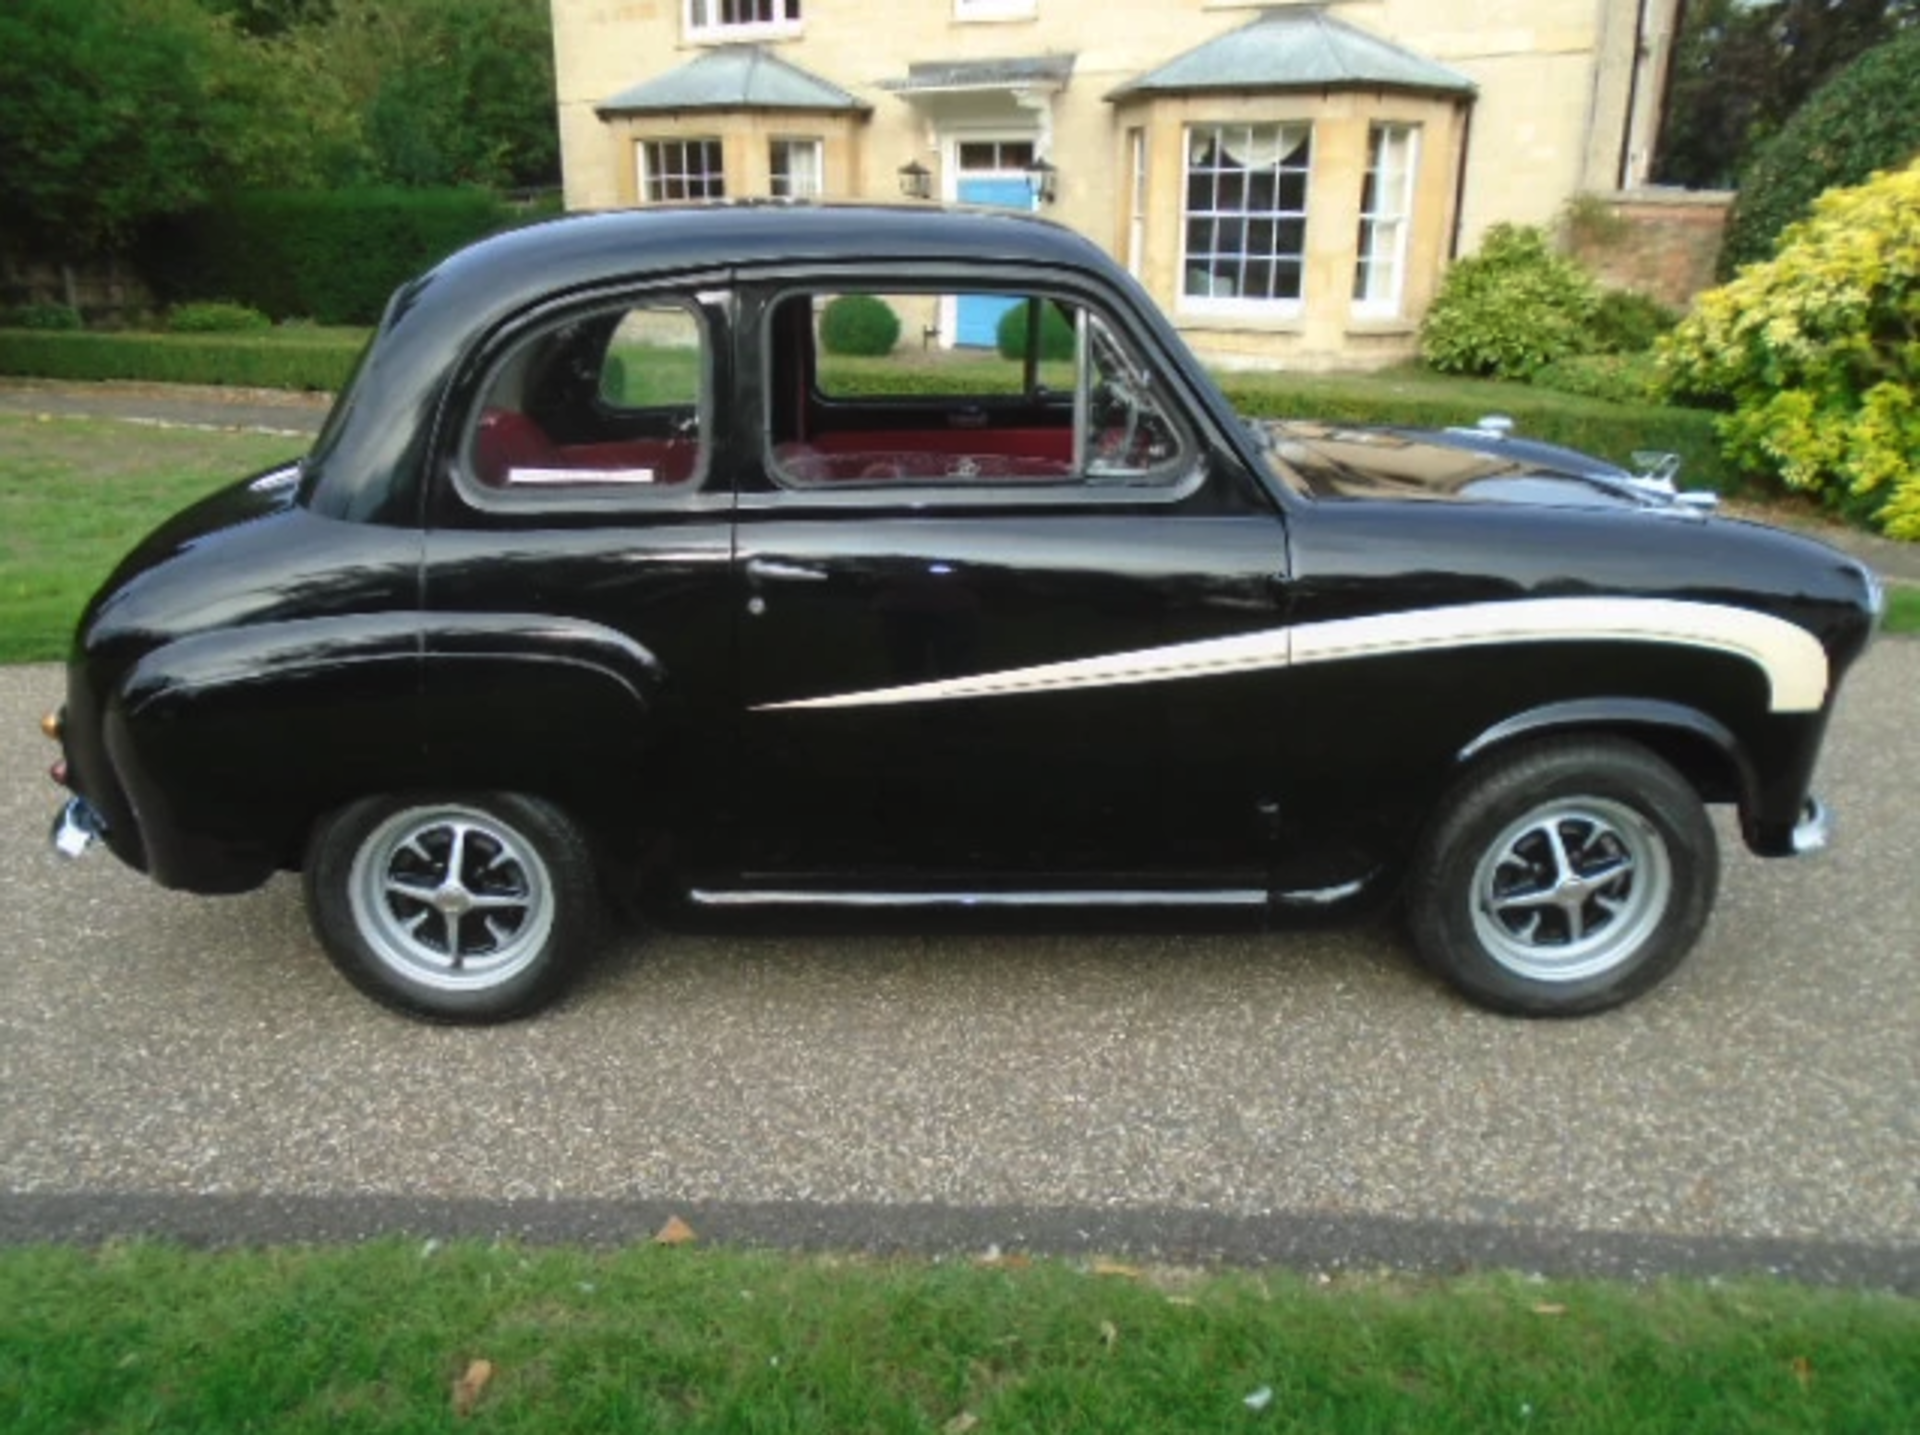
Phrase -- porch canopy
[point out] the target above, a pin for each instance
(1043, 74)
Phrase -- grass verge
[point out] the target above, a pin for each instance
(1903, 611)
(383, 1336)
(76, 494)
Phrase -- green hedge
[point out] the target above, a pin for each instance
(1618, 378)
(295, 361)
(320, 362)
(335, 256)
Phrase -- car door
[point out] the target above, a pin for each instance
(1001, 630)
(576, 571)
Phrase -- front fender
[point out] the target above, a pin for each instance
(1704, 749)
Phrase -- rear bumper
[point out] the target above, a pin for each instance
(1814, 831)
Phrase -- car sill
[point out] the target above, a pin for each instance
(744, 897)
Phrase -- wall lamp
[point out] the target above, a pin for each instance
(1041, 177)
(916, 180)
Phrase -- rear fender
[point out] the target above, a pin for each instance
(231, 744)
(228, 742)
(565, 709)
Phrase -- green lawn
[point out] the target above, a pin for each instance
(375, 1337)
(76, 494)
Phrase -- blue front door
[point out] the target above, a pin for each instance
(978, 315)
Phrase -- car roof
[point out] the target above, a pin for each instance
(610, 245)
(373, 444)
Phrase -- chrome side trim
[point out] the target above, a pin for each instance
(76, 829)
(1319, 897)
(1814, 831)
(746, 897)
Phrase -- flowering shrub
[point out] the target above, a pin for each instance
(1509, 308)
(1817, 351)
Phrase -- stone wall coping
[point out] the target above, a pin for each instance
(1668, 196)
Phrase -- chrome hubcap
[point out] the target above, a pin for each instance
(451, 897)
(1571, 890)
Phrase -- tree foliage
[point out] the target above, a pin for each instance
(1818, 353)
(448, 91)
(1741, 69)
(1867, 119)
(110, 112)
(115, 112)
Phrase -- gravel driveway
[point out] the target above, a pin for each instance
(194, 1066)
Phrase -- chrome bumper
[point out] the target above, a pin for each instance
(1814, 830)
(77, 828)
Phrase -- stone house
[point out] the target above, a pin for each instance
(1287, 180)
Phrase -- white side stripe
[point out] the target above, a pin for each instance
(1246, 652)
(1794, 662)
(1790, 656)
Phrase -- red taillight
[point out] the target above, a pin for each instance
(58, 772)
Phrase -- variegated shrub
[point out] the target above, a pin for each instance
(1818, 352)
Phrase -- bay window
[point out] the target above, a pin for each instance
(1246, 216)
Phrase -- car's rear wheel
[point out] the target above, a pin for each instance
(474, 908)
(1564, 878)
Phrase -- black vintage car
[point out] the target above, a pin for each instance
(605, 579)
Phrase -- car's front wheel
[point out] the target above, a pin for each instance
(1564, 878)
(471, 909)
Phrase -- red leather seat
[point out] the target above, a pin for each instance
(508, 440)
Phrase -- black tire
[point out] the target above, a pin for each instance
(508, 904)
(1564, 878)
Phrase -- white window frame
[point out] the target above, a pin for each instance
(964, 10)
(811, 144)
(1136, 200)
(1388, 210)
(706, 19)
(649, 176)
(1237, 305)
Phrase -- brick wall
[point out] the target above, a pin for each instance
(1662, 242)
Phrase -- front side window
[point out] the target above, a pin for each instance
(1386, 201)
(729, 19)
(681, 169)
(611, 404)
(794, 169)
(1060, 399)
(1246, 215)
